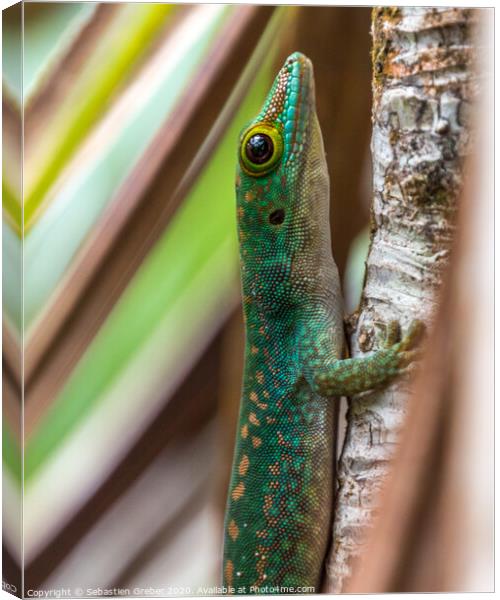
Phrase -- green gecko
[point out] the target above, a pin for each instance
(280, 497)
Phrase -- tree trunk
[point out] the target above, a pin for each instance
(435, 531)
(423, 84)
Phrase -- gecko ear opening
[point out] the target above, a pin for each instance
(277, 217)
(261, 149)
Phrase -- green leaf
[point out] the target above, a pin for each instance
(113, 58)
(203, 229)
(90, 187)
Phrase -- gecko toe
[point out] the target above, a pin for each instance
(414, 335)
(408, 357)
(393, 334)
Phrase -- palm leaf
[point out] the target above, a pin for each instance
(105, 68)
(156, 323)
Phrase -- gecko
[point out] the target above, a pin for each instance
(279, 506)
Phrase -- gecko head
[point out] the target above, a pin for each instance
(282, 193)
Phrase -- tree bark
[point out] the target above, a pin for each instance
(423, 85)
(435, 531)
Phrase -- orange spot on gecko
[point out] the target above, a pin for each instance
(249, 196)
(275, 468)
(261, 564)
(244, 464)
(256, 441)
(228, 572)
(244, 431)
(254, 349)
(240, 212)
(259, 376)
(255, 398)
(282, 441)
(253, 419)
(238, 491)
(233, 530)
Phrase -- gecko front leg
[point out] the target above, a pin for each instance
(330, 376)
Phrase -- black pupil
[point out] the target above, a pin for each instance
(259, 148)
(277, 217)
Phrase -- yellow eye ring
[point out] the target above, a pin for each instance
(261, 149)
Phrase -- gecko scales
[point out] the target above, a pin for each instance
(281, 491)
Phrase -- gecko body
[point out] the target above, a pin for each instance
(281, 491)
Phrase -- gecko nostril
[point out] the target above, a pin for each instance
(277, 217)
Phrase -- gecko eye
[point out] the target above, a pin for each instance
(277, 217)
(260, 150)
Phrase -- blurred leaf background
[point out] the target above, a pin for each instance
(124, 221)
